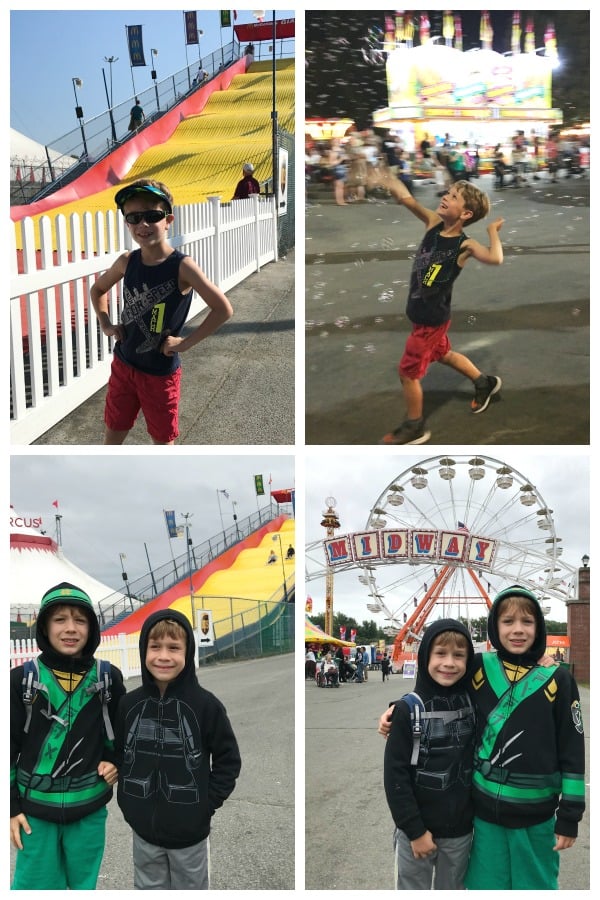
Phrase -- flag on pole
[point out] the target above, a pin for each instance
(308, 604)
(191, 27)
(225, 18)
(259, 486)
(55, 503)
(225, 494)
(136, 47)
(171, 524)
(342, 632)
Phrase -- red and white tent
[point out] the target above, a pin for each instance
(37, 563)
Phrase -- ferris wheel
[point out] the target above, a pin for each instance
(462, 496)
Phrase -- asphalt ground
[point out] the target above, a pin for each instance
(237, 385)
(253, 834)
(348, 840)
(526, 321)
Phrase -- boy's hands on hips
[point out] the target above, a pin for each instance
(16, 823)
(170, 344)
(115, 331)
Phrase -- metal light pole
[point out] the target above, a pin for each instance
(235, 518)
(275, 126)
(110, 60)
(77, 82)
(188, 541)
(124, 574)
(153, 75)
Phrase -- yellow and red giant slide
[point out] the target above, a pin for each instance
(238, 585)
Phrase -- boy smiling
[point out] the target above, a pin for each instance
(180, 760)
(441, 257)
(158, 283)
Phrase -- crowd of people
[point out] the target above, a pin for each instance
(347, 163)
(332, 666)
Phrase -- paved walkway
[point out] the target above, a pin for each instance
(344, 788)
(527, 320)
(252, 835)
(237, 386)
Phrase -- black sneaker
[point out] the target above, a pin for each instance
(484, 392)
(407, 433)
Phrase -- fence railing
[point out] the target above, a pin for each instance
(59, 355)
(267, 630)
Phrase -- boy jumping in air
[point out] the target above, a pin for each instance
(441, 257)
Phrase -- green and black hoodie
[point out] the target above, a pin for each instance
(53, 767)
(530, 756)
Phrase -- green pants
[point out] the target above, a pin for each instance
(61, 857)
(510, 859)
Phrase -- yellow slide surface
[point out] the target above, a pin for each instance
(204, 155)
(238, 590)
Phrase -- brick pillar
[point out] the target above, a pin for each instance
(578, 628)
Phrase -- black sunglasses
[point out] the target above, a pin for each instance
(150, 216)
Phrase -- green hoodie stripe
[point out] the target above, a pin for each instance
(512, 794)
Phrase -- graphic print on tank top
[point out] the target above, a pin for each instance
(136, 306)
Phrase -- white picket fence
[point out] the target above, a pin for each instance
(59, 357)
(121, 649)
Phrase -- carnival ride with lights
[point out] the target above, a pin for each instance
(448, 532)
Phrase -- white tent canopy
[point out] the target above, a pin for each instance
(37, 563)
(24, 149)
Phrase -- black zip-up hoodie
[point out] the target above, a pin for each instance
(179, 759)
(530, 756)
(54, 766)
(434, 795)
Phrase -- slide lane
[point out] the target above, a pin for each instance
(241, 571)
(197, 149)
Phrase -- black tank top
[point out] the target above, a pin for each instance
(434, 272)
(153, 308)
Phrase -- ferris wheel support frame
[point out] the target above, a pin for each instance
(415, 624)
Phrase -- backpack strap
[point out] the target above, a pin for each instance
(102, 686)
(31, 685)
(418, 716)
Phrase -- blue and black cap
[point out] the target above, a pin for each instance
(150, 190)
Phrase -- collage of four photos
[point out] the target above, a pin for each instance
(394, 418)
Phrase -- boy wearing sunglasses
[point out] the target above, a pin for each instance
(158, 283)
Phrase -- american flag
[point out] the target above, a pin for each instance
(462, 528)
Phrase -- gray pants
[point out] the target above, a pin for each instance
(162, 869)
(444, 871)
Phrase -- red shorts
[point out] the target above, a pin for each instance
(425, 344)
(130, 390)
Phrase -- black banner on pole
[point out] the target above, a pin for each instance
(191, 27)
(225, 18)
(136, 47)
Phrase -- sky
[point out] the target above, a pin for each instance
(50, 48)
(114, 504)
(356, 480)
